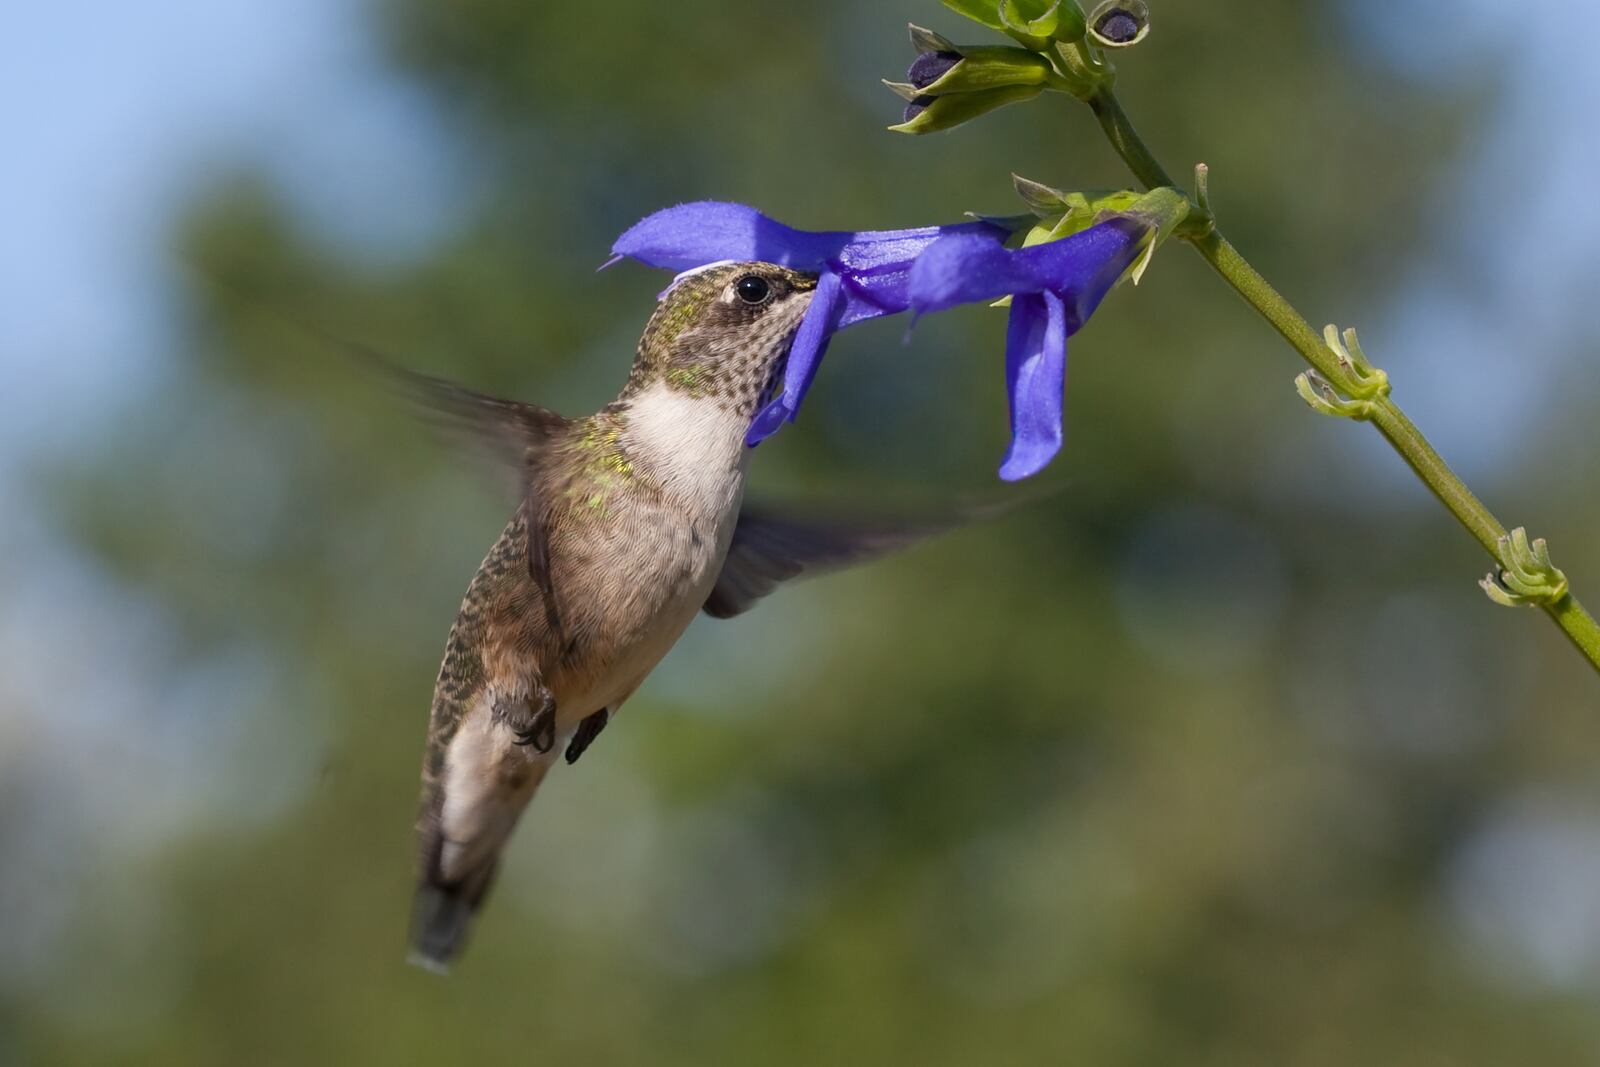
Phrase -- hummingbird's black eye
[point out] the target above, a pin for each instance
(752, 289)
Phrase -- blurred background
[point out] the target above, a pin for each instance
(1218, 756)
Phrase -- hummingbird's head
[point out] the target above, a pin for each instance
(722, 333)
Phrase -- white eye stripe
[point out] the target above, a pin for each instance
(690, 273)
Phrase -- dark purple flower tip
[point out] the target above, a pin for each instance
(917, 107)
(929, 67)
(1117, 26)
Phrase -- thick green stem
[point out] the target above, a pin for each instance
(1579, 626)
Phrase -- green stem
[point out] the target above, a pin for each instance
(1579, 626)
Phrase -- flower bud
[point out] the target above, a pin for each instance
(1119, 23)
(930, 67)
(976, 69)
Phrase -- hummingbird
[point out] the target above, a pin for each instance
(631, 522)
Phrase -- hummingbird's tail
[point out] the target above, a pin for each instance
(441, 913)
(476, 782)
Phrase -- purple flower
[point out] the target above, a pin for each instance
(860, 275)
(1054, 287)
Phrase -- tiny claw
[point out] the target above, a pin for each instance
(541, 729)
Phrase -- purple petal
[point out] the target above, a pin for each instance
(1036, 379)
(805, 356)
(961, 269)
(768, 421)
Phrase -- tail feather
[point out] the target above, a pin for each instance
(441, 916)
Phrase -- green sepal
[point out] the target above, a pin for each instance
(1047, 202)
(946, 112)
(983, 68)
(904, 90)
(1163, 210)
(926, 40)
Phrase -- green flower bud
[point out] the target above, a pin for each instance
(1119, 23)
(977, 69)
(929, 114)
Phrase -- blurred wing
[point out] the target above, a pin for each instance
(771, 547)
(511, 431)
(519, 435)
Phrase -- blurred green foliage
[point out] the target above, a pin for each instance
(1170, 768)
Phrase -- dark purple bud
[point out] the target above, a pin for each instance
(1118, 26)
(930, 67)
(1119, 23)
(917, 107)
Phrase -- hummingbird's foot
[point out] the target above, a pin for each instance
(540, 731)
(584, 735)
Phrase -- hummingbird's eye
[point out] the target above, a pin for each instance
(753, 289)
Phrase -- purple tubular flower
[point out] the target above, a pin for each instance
(1055, 287)
(860, 275)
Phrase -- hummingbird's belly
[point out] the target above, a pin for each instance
(656, 569)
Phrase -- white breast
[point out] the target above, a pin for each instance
(693, 448)
(692, 451)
